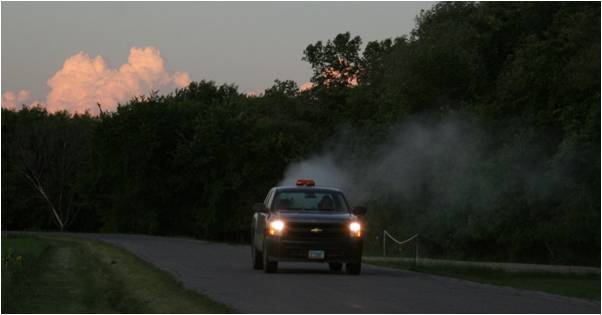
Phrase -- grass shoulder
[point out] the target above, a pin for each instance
(70, 275)
(585, 286)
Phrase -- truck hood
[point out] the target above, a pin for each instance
(314, 216)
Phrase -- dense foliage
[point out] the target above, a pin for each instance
(524, 76)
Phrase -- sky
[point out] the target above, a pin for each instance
(70, 55)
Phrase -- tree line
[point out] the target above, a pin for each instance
(524, 75)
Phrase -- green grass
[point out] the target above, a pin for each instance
(69, 275)
(586, 286)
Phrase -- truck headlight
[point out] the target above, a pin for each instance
(276, 227)
(355, 228)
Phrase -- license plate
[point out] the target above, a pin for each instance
(316, 254)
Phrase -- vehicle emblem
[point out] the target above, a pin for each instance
(316, 230)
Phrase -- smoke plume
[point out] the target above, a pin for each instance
(449, 164)
(321, 168)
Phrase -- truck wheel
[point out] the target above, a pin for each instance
(256, 257)
(335, 266)
(268, 265)
(353, 268)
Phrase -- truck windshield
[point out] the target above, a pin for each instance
(310, 200)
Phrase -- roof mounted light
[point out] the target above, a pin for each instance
(306, 182)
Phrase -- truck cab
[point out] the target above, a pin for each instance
(307, 223)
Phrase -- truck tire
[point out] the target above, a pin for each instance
(353, 268)
(335, 266)
(256, 257)
(268, 265)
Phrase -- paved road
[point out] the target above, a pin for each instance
(223, 272)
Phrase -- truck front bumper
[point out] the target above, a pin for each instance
(346, 250)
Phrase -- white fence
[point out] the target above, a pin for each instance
(512, 267)
(387, 235)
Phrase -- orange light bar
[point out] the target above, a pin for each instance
(306, 182)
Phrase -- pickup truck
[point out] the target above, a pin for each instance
(307, 223)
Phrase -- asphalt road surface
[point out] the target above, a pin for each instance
(224, 273)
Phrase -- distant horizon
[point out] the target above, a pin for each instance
(68, 56)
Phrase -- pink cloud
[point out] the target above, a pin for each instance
(254, 93)
(13, 100)
(306, 86)
(84, 81)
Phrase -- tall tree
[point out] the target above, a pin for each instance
(336, 63)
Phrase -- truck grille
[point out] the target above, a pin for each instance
(315, 231)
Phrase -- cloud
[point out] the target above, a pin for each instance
(306, 86)
(84, 81)
(254, 93)
(333, 75)
(13, 100)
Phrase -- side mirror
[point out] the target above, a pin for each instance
(359, 210)
(259, 207)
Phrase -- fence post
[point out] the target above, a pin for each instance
(384, 244)
(416, 253)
